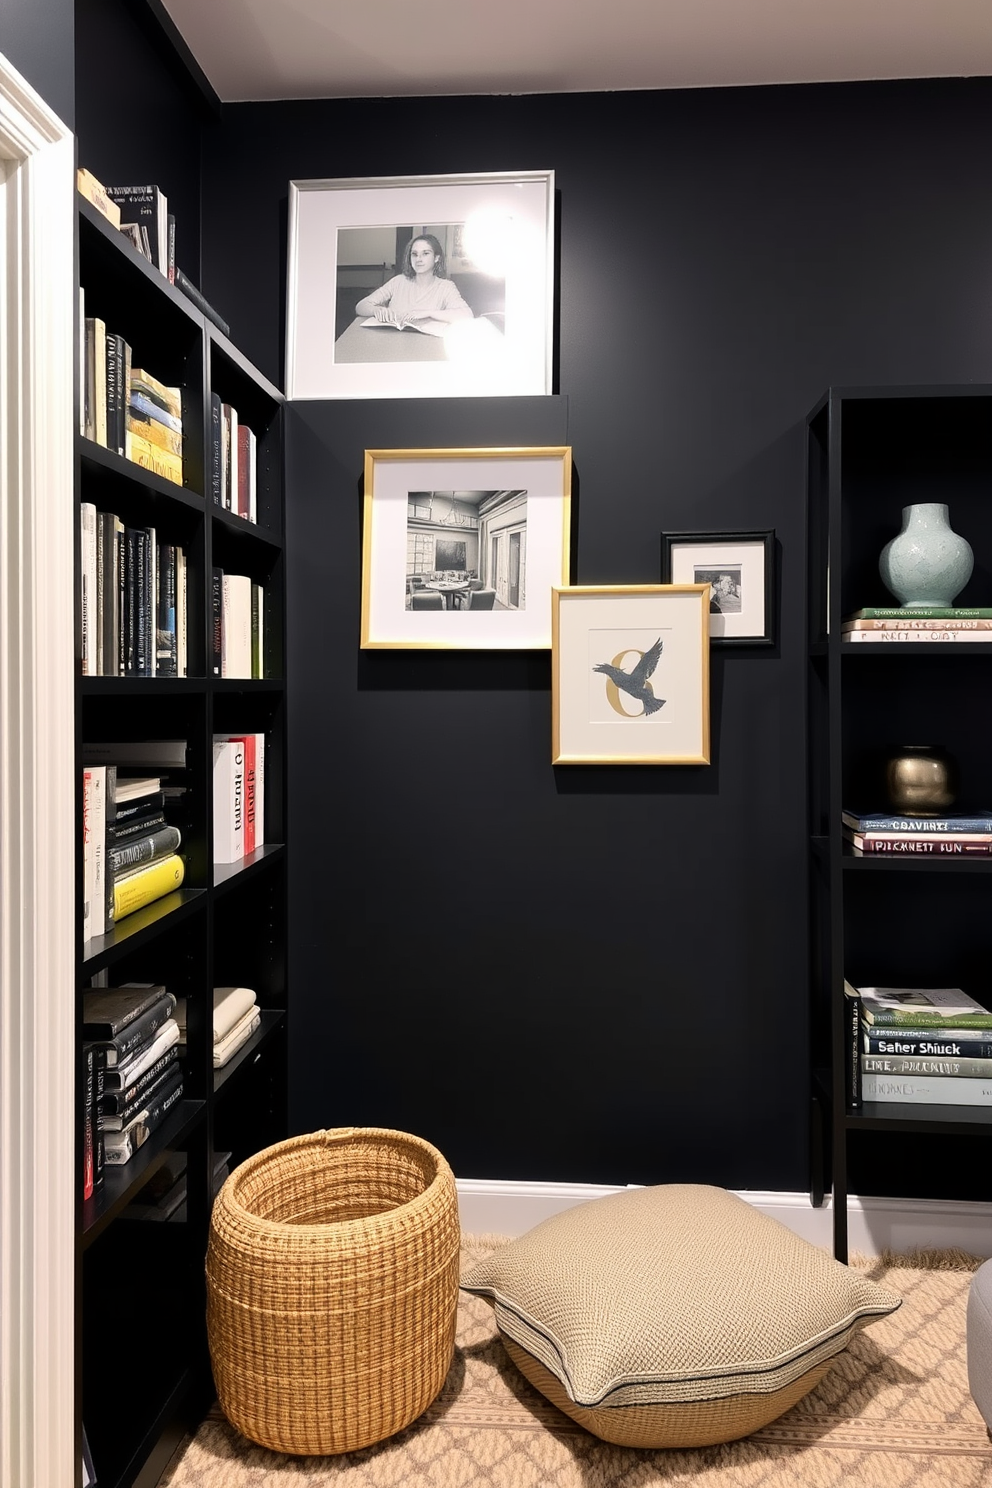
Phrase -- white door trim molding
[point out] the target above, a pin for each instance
(37, 796)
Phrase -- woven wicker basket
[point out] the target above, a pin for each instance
(332, 1285)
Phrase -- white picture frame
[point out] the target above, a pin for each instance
(618, 696)
(461, 548)
(349, 241)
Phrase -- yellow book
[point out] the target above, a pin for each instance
(135, 890)
(94, 191)
(156, 433)
(150, 457)
(171, 398)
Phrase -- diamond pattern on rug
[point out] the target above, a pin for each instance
(893, 1412)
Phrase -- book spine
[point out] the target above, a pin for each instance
(216, 450)
(228, 800)
(243, 503)
(165, 627)
(181, 635)
(935, 847)
(217, 622)
(145, 849)
(99, 1144)
(142, 806)
(99, 380)
(204, 306)
(852, 1051)
(113, 373)
(131, 542)
(942, 637)
(88, 1119)
(88, 588)
(170, 256)
(920, 826)
(89, 378)
(936, 1090)
(908, 1064)
(915, 1017)
(259, 790)
(249, 794)
(924, 612)
(854, 626)
(974, 1043)
(94, 850)
(147, 884)
(116, 1101)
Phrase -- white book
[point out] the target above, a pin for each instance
(230, 1006)
(914, 637)
(181, 634)
(239, 1034)
(236, 626)
(229, 800)
(927, 1090)
(89, 598)
(94, 851)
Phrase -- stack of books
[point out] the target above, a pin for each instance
(876, 625)
(957, 835)
(154, 425)
(918, 1046)
(130, 851)
(238, 796)
(235, 1017)
(135, 1036)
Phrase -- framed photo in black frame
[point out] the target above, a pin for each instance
(740, 570)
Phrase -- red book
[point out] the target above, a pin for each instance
(247, 742)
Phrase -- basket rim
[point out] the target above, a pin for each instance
(228, 1195)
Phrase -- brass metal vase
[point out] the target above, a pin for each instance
(920, 780)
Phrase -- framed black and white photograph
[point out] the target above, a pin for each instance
(462, 547)
(740, 570)
(420, 286)
(630, 675)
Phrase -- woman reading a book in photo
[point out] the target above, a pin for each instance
(422, 291)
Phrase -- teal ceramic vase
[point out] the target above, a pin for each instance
(926, 564)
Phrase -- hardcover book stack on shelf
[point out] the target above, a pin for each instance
(956, 835)
(133, 599)
(126, 408)
(237, 638)
(897, 625)
(233, 461)
(133, 1033)
(235, 1018)
(238, 795)
(130, 849)
(918, 1046)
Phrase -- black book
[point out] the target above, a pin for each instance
(217, 622)
(165, 619)
(191, 292)
(216, 450)
(107, 589)
(127, 812)
(139, 1031)
(153, 1095)
(140, 825)
(123, 857)
(89, 1094)
(99, 1150)
(116, 393)
(132, 536)
(108, 1011)
(145, 207)
(115, 1101)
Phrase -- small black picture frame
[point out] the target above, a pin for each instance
(740, 568)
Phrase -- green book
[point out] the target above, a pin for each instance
(914, 612)
(921, 1007)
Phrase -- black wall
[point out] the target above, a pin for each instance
(601, 973)
(37, 36)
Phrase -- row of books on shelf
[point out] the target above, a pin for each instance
(134, 1076)
(237, 626)
(141, 214)
(238, 795)
(130, 849)
(126, 408)
(133, 598)
(233, 461)
(917, 1046)
(914, 625)
(956, 835)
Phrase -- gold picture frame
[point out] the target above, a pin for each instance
(461, 548)
(615, 649)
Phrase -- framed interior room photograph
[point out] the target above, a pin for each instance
(630, 675)
(461, 548)
(740, 570)
(420, 286)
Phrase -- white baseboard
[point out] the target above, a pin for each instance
(492, 1206)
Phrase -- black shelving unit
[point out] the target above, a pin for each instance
(885, 921)
(226, 925)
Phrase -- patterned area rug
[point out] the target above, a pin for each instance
(893, 1412)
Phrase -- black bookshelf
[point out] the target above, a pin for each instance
(226, 925)
(883, 921)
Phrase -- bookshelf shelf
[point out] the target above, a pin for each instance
(226, 925)
(886, 921)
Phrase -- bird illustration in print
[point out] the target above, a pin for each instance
(635, 682)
